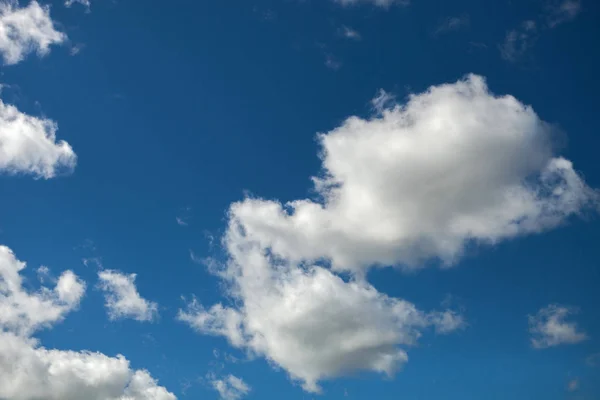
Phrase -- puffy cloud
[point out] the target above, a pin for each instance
(455, 164)
(24, 312)
(230, 387)
(26, 30)
(308, 320)
(549, 328)
(28, 145)
(123, 299)
(29, 371)
(419, 181)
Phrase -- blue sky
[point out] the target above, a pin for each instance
(318, 199)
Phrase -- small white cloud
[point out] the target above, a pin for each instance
(22, 311)
(382, 101)
(28, 145)
(573, 385)
(349, 33)
(593, 359)
(561, 11)
(229, 387)
(123, 299)
(24, 30)
(549, 327)
(518, 41)
(85, 3)
(332, 62)
(451, 24)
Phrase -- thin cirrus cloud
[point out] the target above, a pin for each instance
(418, 181)
(30, 371)
(229, 387)
(123, 299)
(549, 327)
(24, 30)
(518, 41)
(28, 145)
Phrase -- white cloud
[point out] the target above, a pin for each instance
(309, 321)
(561, 11)
(549, 327)
(349, 33)
(230, 387)
(123, 299)
(26, 30)
(518, 41)
(29, 371)
(451, 24)
(378, 3)
(573, 385)
(28, 145)
(332, 62)
(85, 3)
(419, 181)
(22, 311)
(454, 165)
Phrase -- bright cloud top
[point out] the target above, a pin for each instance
(230, 387)
(26, 30)
(29, 371)
(28, 145)
(22, 311)
(455, 164)
(549, 327)
(123, 299)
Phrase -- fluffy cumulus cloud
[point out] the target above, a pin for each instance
(417, 181)
(29, 371)
(549, 327)
(230, 387)
(28, 145)
(123, 299)
(24, 30)
(455, 164)
(23, 311)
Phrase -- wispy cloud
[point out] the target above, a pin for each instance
(349, 33)
(549, 327)
(452, 24)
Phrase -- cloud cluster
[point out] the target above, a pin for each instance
(24, 30)
(123, 299)
(549, 327)
(454, 165)
(229, 387)
(29, 371)
(28, 145)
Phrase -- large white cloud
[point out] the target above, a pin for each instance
(549, 327)
(455, 164)
(24, 30)
(29, 371)
(418, 181)
(28, 145)
(123, 299)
